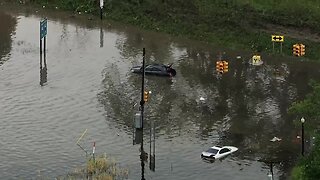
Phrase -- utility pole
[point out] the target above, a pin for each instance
(142, 155)
(142, 87)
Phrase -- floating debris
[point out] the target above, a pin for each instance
(275, 139)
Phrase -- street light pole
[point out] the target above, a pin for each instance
(302, 135)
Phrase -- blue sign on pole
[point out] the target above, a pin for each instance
(43, 28)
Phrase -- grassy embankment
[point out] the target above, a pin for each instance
(243, 24)
(102, 168)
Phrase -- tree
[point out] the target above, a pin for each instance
(309, 107)
(309, 167)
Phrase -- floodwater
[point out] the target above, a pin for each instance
(88, 85)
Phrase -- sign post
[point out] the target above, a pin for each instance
(101, 7)
(277, 38)
(43, 34)
(273, 46)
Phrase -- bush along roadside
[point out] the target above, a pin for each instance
(101, 167)
(308, 166)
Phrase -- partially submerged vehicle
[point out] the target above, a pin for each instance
(217, 152)
(155, 69)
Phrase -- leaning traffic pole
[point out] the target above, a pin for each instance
(142, 111)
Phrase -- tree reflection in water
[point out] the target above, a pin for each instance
(7, 29)
(243, 107)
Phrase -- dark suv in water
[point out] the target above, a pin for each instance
(155, 69)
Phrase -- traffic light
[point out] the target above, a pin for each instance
(219, 66)
(145, 96)
(296, 50)
(256, 59)
(225, 66)
(302, 49)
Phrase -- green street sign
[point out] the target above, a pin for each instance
(43, 28)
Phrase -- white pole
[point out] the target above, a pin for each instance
(93, 150)
(101, 4)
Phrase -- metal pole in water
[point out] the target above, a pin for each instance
(271, 170)
(142, 86)
(41, 83)
(150, 146)
(142, 114)
(154, 141)
(44, 49)
(101, 36)
(101, 6)
(93, 150)
(40, 54)
(101, 13)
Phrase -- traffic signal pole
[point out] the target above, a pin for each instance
(142, 155)
(142, 87)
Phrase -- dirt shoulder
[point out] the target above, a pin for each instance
(299, 34)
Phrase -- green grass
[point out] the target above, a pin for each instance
(100, 168)
(231, 23)
(297, 173)
(234, 24)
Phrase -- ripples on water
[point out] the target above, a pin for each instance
(90, 87)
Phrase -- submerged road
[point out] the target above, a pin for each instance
(90, 86)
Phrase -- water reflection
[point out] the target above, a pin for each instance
(143, 159)
(43, 71)
(117, 97)
(152, 153)
(139, 139)
(158, 50)
(245, 107)
(7, 29)
(101, 36)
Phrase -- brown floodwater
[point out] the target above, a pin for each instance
(88, 85)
